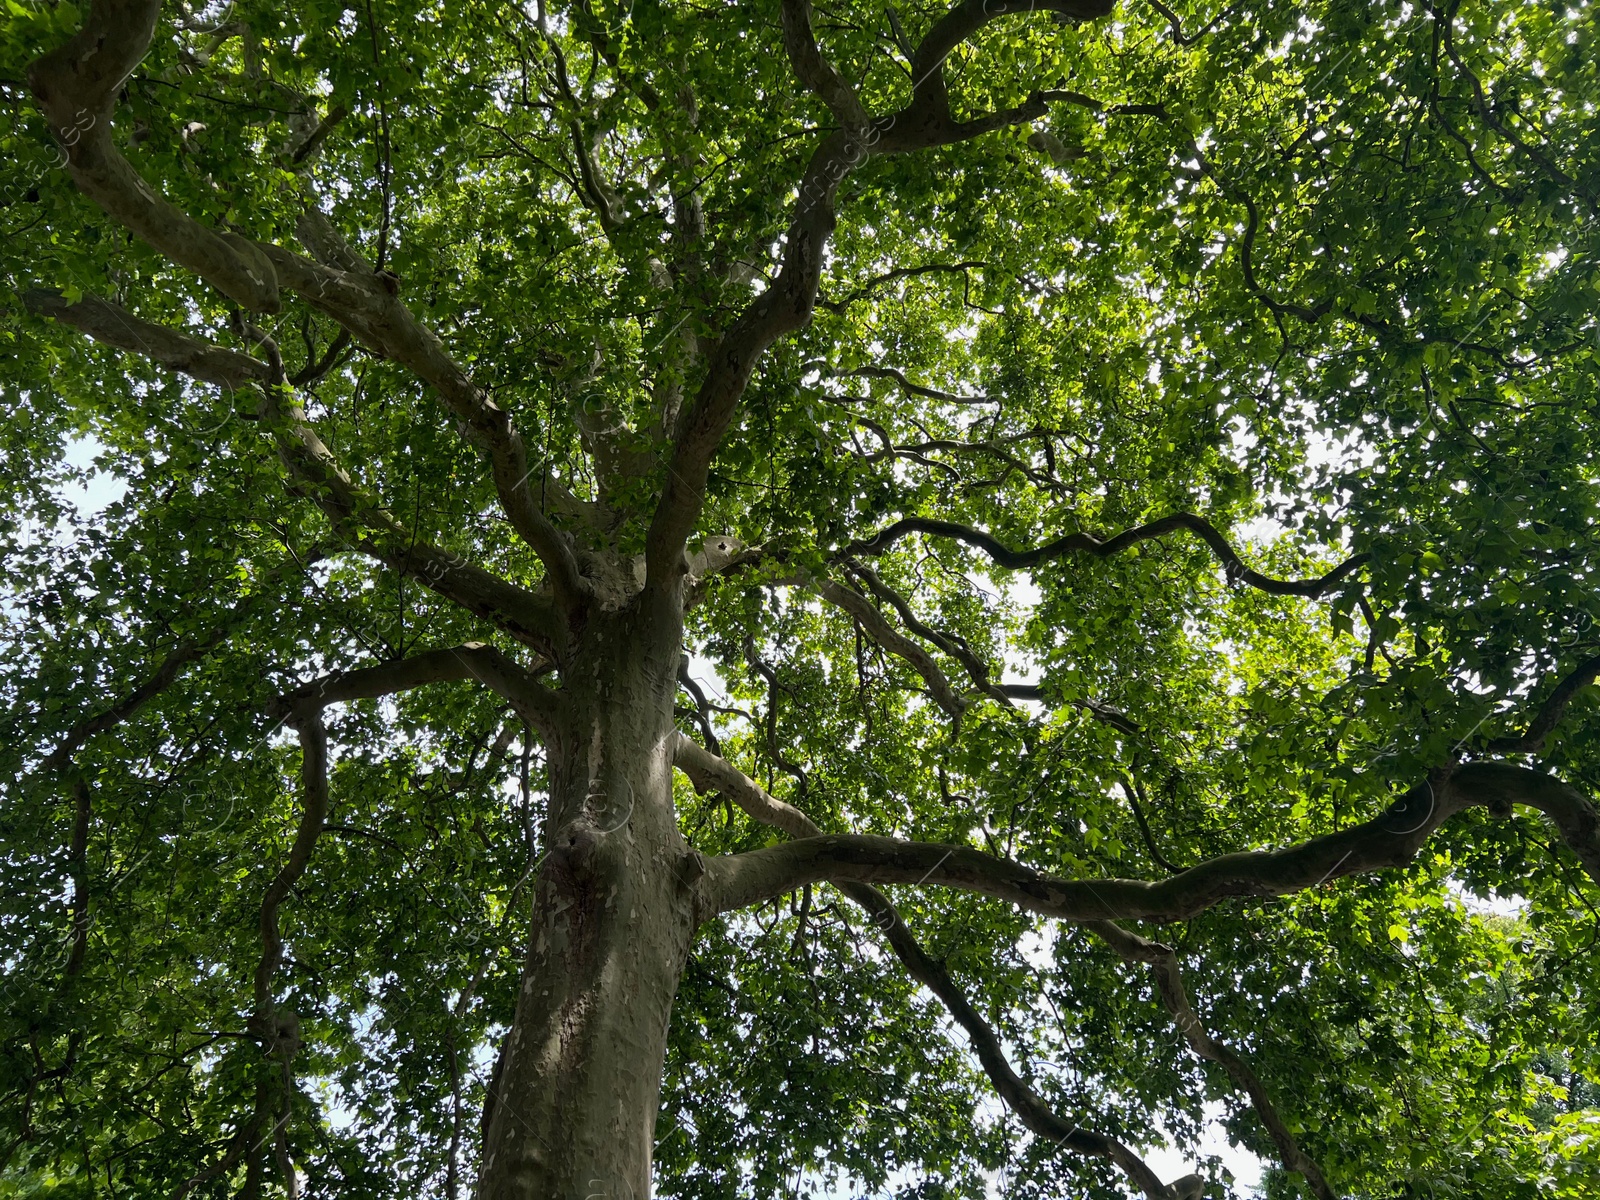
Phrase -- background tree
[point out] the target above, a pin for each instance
(1011, 566)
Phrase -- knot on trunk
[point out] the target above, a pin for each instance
(277, 1031)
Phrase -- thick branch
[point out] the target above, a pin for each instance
(815, 72)
(113, 326)
(360, 302)
(930, 103)
(76, 87)
(1389, 840)
(787, 304)
(534, 703)
(524, 615)
(1088, 543)
(1169, 983)
(709, 772)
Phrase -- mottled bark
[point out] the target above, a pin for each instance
(572, 1106)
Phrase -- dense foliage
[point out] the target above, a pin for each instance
(1324, 274)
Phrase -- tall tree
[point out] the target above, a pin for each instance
(725, 598)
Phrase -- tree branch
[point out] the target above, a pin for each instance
(866, 289)
(525, 615)
(914, 389)
(1088, 543)
(892, 640)
(76, 87)
(709, 772)
(533, 702)
(787, 304)
(815, 72)
(188, 650)
(1532, 739)
(113, 326)
(1389, 840)
(279, 1031)
(1169, 984)
(307, 719)
(1100, 712)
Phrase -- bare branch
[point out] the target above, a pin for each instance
(1169, 983)
(1391, 839)
(1088, 543)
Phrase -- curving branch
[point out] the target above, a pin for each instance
(188, 650)
(930, 105)
(76, 88)
(1168, 975)
(955, 703)
(533, 702)
(1389, 840)
(1100, 712)
(1031, 1108)
(1178, 36)
(365, 523)
(956, 647)
(278, 1030)
(1088, 543)
(1488, 110)
(710, 772)
(307, 720)
(867, 288)
(892, 640)
(787, 303)
(113, 326)
(815, 72)
(913, 389)
(1544, 722)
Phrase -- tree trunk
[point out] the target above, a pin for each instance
(572, 1108)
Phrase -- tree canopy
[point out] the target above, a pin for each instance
(1126, 481)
